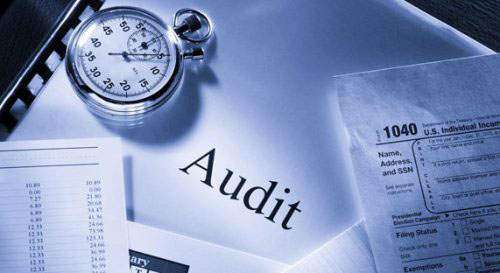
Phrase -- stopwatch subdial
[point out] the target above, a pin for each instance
(144, 44)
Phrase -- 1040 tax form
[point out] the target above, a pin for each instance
(425, 144)
(62, 207)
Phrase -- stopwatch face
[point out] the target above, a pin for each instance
(123, 56)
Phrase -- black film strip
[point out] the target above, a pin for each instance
(36, 33)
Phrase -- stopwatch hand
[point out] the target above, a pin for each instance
(132, 54)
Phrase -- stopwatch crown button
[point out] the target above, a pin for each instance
(191, 24)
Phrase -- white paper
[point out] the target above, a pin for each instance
(347, 253)
(158, 251)
(261, 99)
(426, 151)
(62, 207)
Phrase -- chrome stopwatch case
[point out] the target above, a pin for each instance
(125, 62)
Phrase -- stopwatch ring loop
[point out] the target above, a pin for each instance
(199, 14)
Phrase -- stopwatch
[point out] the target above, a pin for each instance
(125, 62)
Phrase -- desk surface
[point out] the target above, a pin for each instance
(263, 101)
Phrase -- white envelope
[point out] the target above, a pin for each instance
(348, 252)
(162, 251)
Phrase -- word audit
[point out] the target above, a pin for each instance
(254, 198)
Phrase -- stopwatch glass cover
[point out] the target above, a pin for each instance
(124, 55)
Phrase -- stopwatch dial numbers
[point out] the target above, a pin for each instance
(144, 44)
(125, 57)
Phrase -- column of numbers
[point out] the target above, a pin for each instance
(95, 237)
(35, 228)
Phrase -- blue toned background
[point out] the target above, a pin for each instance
(262, 101)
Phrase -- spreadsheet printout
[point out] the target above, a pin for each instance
(62, 207)
(425, 144)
